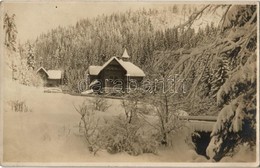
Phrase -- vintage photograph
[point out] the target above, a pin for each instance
(155, 83)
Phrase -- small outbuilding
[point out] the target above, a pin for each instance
(51, 78)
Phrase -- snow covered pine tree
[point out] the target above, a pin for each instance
(236, 121)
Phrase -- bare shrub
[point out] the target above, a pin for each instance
(132, 105)
(115, 134)
(19, 106)
(161, 107)
(88, 125)
(165, 120)
(119, 135)
(100, 103)
(130, 108)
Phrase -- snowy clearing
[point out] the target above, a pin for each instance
(49, 135)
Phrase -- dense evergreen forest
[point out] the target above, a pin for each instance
(146, 34)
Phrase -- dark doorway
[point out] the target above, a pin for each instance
(201, 141)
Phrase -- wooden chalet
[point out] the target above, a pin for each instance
(51, 78)
(115, 75)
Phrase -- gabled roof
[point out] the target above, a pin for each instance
(131, 69)
(94, 70)
(54, 74)
(44, 70)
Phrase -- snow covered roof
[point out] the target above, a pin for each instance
(94, 70)
(41, 68)
(131, 69)
(54, 74)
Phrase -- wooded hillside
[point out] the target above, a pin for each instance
(144, 33)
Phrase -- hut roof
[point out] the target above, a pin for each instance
(51, 74)
(94, 70)
(54, 74)
(131, 69)
(42, 69)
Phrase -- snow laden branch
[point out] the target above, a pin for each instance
(237, 95)
(234, 38)
(193, 18)
(229, 63)
(229, 131)
(238, 81)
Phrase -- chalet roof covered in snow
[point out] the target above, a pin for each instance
(94, 70)
(131, 69)
(42, 69)
(54, 74)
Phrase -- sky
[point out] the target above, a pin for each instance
(34, 18)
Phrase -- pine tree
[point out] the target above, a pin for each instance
(10, 31)
(207, 30)
(219, 76)
(30, 57)
(175, 9)
(65, 78)
(206, 83)
(236, 123)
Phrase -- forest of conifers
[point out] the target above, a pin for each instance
(143, 33)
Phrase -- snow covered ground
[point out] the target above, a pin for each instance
(49, 132)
